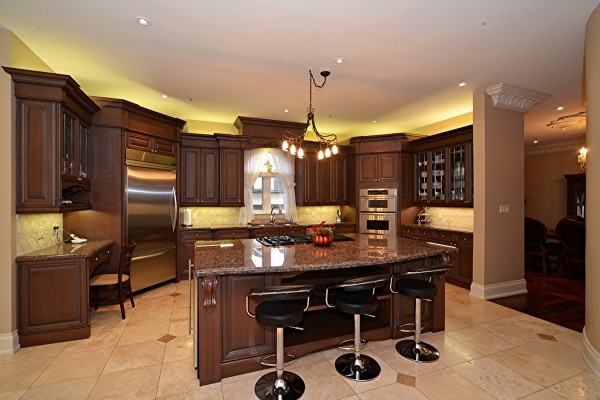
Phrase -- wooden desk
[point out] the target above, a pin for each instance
(53, 284)
(229, 342)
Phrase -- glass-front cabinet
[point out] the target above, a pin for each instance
(75, 149)
(443, 169)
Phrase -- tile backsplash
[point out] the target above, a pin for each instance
(35, 231)
(455, 217)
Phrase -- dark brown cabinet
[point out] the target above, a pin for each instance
(378, 168)
(443, 166)
(321, 182)
(151, 144)
(231, 177)
(576, 194)
(186, 248)
(53, 147)
(278, 231)
(231, 233)
(199, 167)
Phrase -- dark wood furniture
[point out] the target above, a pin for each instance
(120, 281)
(185, 249)
(576, 194)
(571, 234)
(230, 343)
(462, 259)
(151, 144)
(537, 249)
(53, 287)
(53, 142)
(443, 168)
(115, 122)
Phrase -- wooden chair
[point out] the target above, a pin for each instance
(536, 248)
(119, 282)
(571, 234)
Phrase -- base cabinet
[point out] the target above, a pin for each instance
(186, 247)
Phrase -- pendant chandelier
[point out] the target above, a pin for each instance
(327, 143)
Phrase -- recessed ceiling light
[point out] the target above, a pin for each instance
(560, 108)
(374, 121)
(339, 60)
(462, 84)
(143, 21)
(164, 96)
(286, 110)
(535, 141)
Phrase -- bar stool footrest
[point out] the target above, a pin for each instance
(343, 344)
(265, 360)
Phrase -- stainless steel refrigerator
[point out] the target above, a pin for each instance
(151, 217)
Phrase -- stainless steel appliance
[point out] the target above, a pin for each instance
(378, 200)
(276, 241)
(151, 217)
(378, 211)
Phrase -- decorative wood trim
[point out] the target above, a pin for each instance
(515, 98)
(209, 284)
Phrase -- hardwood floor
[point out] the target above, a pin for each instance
(555, 299)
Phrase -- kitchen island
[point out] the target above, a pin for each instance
(229, 342)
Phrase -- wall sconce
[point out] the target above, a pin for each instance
(582, 158)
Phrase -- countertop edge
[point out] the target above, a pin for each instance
(66, 251)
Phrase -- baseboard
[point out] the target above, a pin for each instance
(498, 290)
(9, 343)
(591, 356)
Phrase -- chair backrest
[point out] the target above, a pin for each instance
(535, 232)
(571, 234)
(125, 260)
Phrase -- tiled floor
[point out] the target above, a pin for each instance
(488, 352)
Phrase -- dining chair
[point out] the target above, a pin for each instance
(537, 249)
(571, 234)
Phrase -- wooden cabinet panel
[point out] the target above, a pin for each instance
(345, 228)
(307, 180)
(339, 166)
(368, 168)
(189, 166)
(209, 178)
(198, 177)
(378, 168)
(186, 248)
(264, 232)
(232, 177)
(165, 147)
(321, 182)
(139, 142)
(224, 234)
(292, 230)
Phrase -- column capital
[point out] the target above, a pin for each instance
(515, 98)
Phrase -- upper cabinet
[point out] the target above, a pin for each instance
(321, 182)
(443, 168)
(151, 144)
(53, 142)
(378, 168)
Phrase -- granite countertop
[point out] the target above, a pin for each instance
(66, 250)
(248, 256)
(254, 226)
(441, 228)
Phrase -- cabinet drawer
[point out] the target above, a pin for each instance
(345, 228)
(164, 147)
(264, 232)
(139, 142)
(201, 234)
(97, 259)
(443, 237)
(231, 234)
(464, 240)
(292, 231)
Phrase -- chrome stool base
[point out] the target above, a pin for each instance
(421, 352)
(290, 387)
(348, 344)
(360, 369)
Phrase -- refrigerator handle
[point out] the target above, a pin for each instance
(174, 210)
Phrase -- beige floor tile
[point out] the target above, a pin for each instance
(539, 325)
(558, 353)
(21, 374)
(179, 328)
(167, 289)
(463, 297)
(479, 340)
(181, 301)
(583, 386)
(545, 394)
(479, 313)
(13, 395)
(351, 398)
(25, 353)
(180, 348)
(235, 389)
(67, 367)
(452, 352)
(453, 324)
(135, 355)
(533, 367)
(449, 288)
(404, 366)
(131, 384)
(151, 302)
(449, 303)
(177, 377)
(510, 330)
(447, 384)
(108, 319)
(323, 382)
(393, 392)
(496, 379)
(308, 359)
(147, 315)
(180, 313)
(387, 376)
(78, 389)
(571, 338)
(100, 339)
(210, 392)
(144, 332)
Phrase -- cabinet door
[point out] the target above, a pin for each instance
(464, 267)
(340, 179)
(84, 151)
(457, 172)
(265, 232)
(310, 180)
(387, 169)
(209, 178)
(367, 165)
(164, 147)
(190, 172)
(232, 177)
(186, 249)
(325, 181)
(438, 175)
(53, 296)
(139, 142)
(422, 181)
(69, 159)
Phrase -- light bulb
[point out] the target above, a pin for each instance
(327, 152)
(334, 149)
(285, 145)
(320, 155)
(300, 153)
(293, 149)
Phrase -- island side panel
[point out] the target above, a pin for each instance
(209, 329)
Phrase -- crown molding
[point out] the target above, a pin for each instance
(572, 145)
(515, 98)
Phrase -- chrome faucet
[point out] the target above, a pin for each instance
(272, 217)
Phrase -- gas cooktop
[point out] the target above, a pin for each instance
(289, 240)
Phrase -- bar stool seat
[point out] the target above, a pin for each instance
(280, 307)
(357, 297)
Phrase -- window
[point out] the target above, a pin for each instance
(268, 190)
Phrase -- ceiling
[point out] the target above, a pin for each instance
(217, 59)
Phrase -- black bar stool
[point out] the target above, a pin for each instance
(357, 296)
(419, 289)
(280, 307)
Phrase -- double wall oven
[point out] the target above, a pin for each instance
(378, 211)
